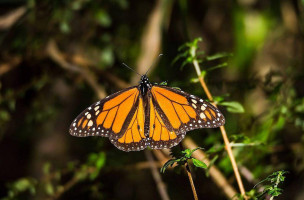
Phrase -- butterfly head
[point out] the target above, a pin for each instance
(144, 84)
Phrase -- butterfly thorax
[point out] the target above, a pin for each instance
(144, 85)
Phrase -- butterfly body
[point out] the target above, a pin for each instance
(146, 115)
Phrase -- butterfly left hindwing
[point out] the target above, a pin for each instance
(133, 138)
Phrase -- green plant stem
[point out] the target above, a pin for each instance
(223, 131)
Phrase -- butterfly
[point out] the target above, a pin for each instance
(146, 115)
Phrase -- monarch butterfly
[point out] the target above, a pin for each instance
(147, 115)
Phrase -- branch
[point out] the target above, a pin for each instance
(150, 41)
(55, 54)
(11, 64)
(223, 131)
(11, 18)
(155, 173)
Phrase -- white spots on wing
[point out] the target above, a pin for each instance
(74, 124)
(96, 108)
(199, 121)
(89, 108)
(93, 129)
(202, 115)
(194, 101)
(86, 113)
(193, 105)
(219, 114)
(97, 112)
(203, 108)
(201, 100)
(89, 116)
(205, 105)
(90, 123)
(192, 96)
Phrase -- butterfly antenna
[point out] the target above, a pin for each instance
(131, 69)
(154, 63)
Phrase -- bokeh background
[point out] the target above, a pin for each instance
(59, 56)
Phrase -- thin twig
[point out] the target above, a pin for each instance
(223, 131)
(187, 168)
(188, 171)
(156, 175)
(215, 174)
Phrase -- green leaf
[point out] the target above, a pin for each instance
(49, 189)
(203, 73)
(46, 168)
(103, 18)
(194, 80)
(199, 163)
(218, 66)
(233, 106)
(167, 164)
(64, 27)
(101, 159)
(197, 148)
(4, 115)
(218, 56)
(163, 83)
(187, 153)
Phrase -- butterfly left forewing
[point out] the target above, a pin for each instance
(108, 117)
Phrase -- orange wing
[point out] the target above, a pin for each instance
(177, 112)
(161, 135)
(133, 138)
(109, 117)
